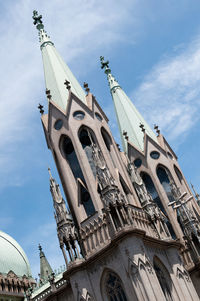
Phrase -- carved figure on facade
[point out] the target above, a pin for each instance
(109, 191)
(84, 295)
(189, 222)
(154, 213)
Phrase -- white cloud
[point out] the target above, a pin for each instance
(45, 234)
(171, 92)
(77, 27)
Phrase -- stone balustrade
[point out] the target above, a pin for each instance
(99, 232)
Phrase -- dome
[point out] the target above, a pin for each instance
(12, 257)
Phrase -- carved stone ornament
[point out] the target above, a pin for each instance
(187, 217)
(135, 177)
(84, 295)
(109, 191)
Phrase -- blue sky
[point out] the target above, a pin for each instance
(154, 53)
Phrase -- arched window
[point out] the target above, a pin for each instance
(154, 194)
(178, 173)
(86, 138)
(163, 175)
(106, 139)
(67, 149)
(108, 143)
(69, 153)
(163, 278)
(114, 290)
(152, 190)
(124, 185)
(86, 200)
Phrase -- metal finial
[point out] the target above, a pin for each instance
(40, 249)
(48, 93)
(67, 84)
(157, 129)
(195, 193)
(49, 170)
(37, 20)
(125, 135)
(142, 127)
(103, 63)
(118, 146)
(40, 107)
(85, 85)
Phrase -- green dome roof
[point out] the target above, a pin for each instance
(12, 257)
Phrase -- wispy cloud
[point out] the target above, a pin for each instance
(45, 234)
(82, 27)
(171, 92)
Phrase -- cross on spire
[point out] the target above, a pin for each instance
(39, 247)
(37, 20)
(103, 63)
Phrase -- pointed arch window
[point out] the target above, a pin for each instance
(113, 288)
(69, 153)
(106, 138)
(86, 200)
(86, 137)
(124, 186)
(108, 143)
(154, 194)
(178, 173)
(164, 279)
(164, 176)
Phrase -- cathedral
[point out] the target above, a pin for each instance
(130, 231)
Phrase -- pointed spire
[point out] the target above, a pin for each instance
(61, 212)
(45, 268)
(55, 70)
(197, 196)
(128, 117)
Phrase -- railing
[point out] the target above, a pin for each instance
(95, 235)
(99, 232)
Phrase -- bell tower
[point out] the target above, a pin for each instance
(157, 165)
(89, 163)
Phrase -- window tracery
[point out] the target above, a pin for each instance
(69, 153)
(164, 279)
(114, 288)
(154, 194)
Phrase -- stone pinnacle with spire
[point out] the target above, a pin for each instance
(128, 117)
(45, 268)
(61, 212)
(197, 196)
(56, 72)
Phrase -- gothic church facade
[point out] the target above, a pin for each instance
(132, 231)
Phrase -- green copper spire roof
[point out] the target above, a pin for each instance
(45, 268)
(55, 70)
(128, 117)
